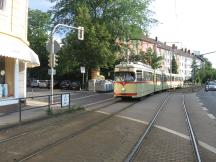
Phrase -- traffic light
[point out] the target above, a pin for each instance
(81, 33)
(55, 60)
(50, 62)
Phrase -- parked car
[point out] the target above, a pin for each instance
(65, 84)
(210, 86)
(75, 85)
(35, 83)
(43, 84)
(56, 84)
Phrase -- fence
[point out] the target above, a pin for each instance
(34, 107)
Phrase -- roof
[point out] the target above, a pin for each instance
(15, 48)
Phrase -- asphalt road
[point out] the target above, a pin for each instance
(208, 99)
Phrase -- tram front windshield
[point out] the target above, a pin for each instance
(124, 76)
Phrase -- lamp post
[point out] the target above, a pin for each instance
(80, 37)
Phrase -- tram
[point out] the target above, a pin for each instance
(136, 80)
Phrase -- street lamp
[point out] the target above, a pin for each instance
(80, 37)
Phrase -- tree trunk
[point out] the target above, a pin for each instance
(95, 73)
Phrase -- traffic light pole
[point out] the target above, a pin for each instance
(80, 37)
(52, 56)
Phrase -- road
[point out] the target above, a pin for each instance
(208, 100)
(110, 130)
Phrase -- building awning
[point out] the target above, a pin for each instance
(15, 48)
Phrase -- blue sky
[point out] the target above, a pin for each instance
(42, 5)
(190, 22)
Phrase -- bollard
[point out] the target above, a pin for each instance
(20, 109)
(49, 101)
(69, 101)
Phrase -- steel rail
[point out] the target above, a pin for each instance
(72, 135)
(192, 134)
(52, 123)
(138, 145)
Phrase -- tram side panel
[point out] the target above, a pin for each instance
(125, 89)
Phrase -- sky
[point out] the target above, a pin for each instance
(189, 22)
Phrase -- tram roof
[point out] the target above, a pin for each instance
(133, 65)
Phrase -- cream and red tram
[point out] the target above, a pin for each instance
(137, 79)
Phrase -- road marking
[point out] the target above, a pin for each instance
(84, 97)
(203, 144)
(98, 102)
(211, 116)
(204, 109)
(103, 112)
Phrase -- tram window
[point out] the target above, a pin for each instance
(173, 78)
(147, 76)
(158, 77)
(139, 75)
(151, 76)
(164, 78)
(124, 76)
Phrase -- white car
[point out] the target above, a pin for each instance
(210, 86)
(35, 83)
(43, 84)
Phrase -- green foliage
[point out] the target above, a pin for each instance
(104, 21)
(151, 58)
(38, 27)
(205, 73)
(174, 65)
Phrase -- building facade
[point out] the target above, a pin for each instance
(15, 55)
(184, 57)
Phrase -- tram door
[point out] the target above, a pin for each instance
(140, 86)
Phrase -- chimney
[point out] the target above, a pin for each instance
(173, 46)
(156, 39)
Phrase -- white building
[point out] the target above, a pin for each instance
(15, 55)
(184, 57)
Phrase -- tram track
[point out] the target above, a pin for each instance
(73, 134)
(139, 143)
(53, 123)
(136, 150)
(193, 139)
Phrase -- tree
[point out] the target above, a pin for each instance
(151, 58)
(205, 73)
(104, 21)
(174, 65)
(38, 29)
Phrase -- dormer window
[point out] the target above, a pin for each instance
(1, 4)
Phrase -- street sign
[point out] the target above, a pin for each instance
(82, 69)
(50, 70)
(65, 100)
(56, 46)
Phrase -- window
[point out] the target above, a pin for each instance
(139, 75)
(1, 4)
(2, 70)
(124, 76)
(158, 77)
(147, 76)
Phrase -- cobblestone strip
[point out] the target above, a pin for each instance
(109, 141)
(162, 146)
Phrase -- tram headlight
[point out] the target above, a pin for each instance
(123, 89)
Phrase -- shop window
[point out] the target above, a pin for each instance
(2, 70)
(1, 4)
